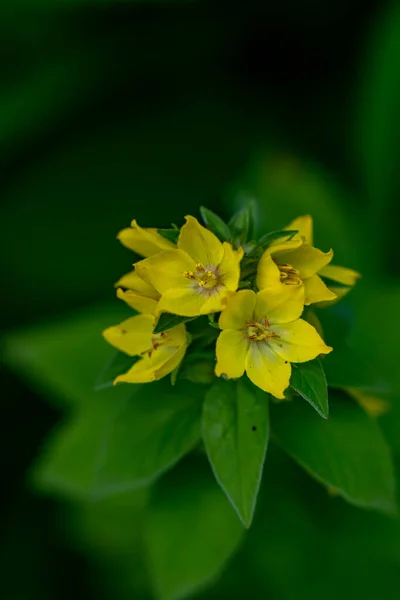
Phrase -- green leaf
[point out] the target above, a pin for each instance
(266, 239)
(235, 429)
(168, 320)
(240, 225)
(62, 359)
(215, 224)
(192, 531)
(308, 379)
(346, 452)
(170, 234)
(119, 363)
(111, 447)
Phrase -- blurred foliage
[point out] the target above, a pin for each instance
(115, 109)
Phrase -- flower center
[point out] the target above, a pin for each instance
(288, 274)
(204, 277)
(260, 331)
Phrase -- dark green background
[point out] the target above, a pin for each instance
(113, 110)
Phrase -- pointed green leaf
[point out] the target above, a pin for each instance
(235, 429)
(192, 531)
(167, 321)
(346, 452)
(308, 379)
(240, 225)
(111, 447)
(215, 224)
(169, 234)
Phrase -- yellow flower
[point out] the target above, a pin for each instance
(160, 353)
(342, 275)
(143, 241)
(262, 334)
(295, 263)
(139, 295)
(198, 277)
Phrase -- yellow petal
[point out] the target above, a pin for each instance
(202, 245)
(143, 241)
(316, 291)
(239, 311)
(340, 274)
(298, 342)
(266, 369)
(306, 259)
(132, 336)
(280, 304)
(304, 225)
(229, 267)
(160, 361)
(231, 353)
(279, 247)
(166, 270)
(138, 302)
(268, 274)
(146, 369)
(193, 301)
(132, 281)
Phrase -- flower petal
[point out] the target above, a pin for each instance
(232, 348)
(240, 310)
(133, 336)
(304, 224)
(280, 304)
(267, 370)
(279, 247)
(229, 267)
(306, 259)
(268, 274)
(143, 241)
(147, 368)
(193, 300)
(138, 302)
(132, 281)
(298, 342)
(202, 245)
(340, 274)
(316, 291)
(166, 270)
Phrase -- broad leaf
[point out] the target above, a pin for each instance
(215, 224)
(168, 320)
(119, 445)
(308, 379)
(346, 452)
(169, 234)
(192, 531)
(235, 429)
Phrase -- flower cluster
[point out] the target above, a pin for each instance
(259, 288)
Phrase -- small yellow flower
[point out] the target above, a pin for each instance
(139, 294)
(295, 263)
(160, 353)
(143, 241)
(198, 277)
(344, 276)
(262, 334)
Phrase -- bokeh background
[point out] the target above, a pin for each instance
(111, 110)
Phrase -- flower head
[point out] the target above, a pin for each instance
(198, 277)
(159, 353)
(143, 241)
(262, 334)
